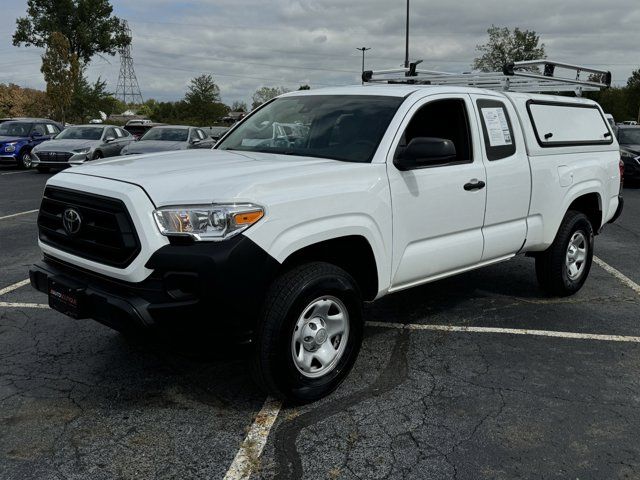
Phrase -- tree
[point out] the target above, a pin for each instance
(633, 93)
(88, 25)
(202, 101)
(304, 87)
(505, 46)
(265, 94)
(89, 99)
(16, 101)
(60, 68)
(239, 106)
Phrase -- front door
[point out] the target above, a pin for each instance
(438, 212)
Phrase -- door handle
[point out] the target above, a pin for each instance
(474, 185)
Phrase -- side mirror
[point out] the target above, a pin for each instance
(423, 152)
(36, 134)
(195, 140)
(109, 139)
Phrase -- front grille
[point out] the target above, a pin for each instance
(54, 156)
(106, 233)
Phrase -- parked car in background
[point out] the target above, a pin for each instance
(629, 140)
(81, 143)
(19, 137)
(170, 137)
(216, 132)
(629, 122)
(138, 129)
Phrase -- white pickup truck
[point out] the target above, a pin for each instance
(321, 200)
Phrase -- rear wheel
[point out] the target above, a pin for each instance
(25, 161)
(309, 334)
(563, 268)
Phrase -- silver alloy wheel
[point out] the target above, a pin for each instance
(320, 337)
(26, 160)
(576, 257)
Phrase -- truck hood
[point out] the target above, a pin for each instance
(148, 146)
(206, 176)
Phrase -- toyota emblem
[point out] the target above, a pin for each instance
(71, 221)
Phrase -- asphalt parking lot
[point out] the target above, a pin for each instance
(478, 376)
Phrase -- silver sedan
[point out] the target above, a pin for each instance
(80, 143)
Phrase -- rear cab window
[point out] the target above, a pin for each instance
(558, 124)
(497, 129)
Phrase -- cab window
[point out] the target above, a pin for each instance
(38, 128)
(496, 129)
(446, 119)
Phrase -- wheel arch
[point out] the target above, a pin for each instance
(591, 205)
(352, 253)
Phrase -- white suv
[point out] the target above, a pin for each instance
(321, 200)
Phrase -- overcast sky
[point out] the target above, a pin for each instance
(247, 44)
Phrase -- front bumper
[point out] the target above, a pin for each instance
(194, 287)
(75, 159)
(8, 158)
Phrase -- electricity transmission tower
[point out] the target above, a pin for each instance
(128, 89)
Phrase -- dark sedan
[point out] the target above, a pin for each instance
(629, 140)
(165, 138)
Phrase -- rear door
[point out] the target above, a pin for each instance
(437, 222)
(508, 176)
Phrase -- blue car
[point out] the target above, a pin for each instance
(18, 137)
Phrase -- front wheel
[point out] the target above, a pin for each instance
(563, 268)
(25, 161)
(309, 334)
(97, 155)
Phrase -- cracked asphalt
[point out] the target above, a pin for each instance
(79, 401)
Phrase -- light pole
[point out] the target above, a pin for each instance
(406, 43)
(363, 49)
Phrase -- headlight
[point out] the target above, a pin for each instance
(10, 147)
(82, 150)
(207, 222)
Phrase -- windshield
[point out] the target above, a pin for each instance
(15, 129)
(167, 134)
(629, 136)
(81, 133)
(340, 127)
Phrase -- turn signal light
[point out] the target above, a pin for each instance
(247, 218)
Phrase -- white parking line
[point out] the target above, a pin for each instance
(619, 275)
(251, 448)
(23, 305)
(14, 173)
(509, 331)
(18, 214)
(13, 287)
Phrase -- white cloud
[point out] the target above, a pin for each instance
(248, 44)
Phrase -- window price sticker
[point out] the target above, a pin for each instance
(497, 127)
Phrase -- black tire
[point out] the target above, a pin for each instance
(43, 169)
(24, 160)
(97, 155)
(551, 265)
(273, 366)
